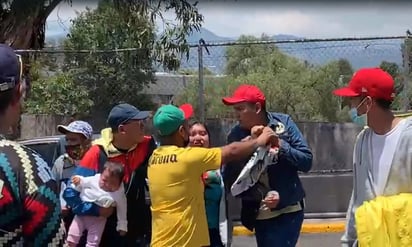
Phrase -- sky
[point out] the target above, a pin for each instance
(231, 18)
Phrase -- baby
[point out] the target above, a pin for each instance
(106, 190)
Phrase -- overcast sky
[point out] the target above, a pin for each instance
(311, 20)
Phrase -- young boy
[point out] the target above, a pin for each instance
(106, 190)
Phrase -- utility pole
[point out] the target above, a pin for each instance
(340, 81)
(406, 68)
(201, 91)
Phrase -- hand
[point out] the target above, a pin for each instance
(267, 136)
(247, 138)
(106, 212)
(271, 200)
(256, 131)
(122, 233)
(65, 211)
(76, 180)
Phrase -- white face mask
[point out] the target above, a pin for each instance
(361, 120)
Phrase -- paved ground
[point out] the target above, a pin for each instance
(306, 240)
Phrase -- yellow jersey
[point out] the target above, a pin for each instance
(385, 221)
(176, 192)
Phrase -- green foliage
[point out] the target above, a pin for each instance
(325, 79)
(392, 68)
(291, 86)
(99, 80)
(172, 43)
(56, 94)
(112, 77)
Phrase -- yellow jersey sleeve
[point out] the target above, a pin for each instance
(208, 158)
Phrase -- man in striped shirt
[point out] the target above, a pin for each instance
(29, 199)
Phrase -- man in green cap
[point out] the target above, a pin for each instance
(174, 174)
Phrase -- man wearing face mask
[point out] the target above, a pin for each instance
(382, 157)
(78, 137)
(358, 120)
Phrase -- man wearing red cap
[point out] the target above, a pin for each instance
(276, 221)
(381, 156)
(174, 174)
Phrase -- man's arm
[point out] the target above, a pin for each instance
(43, 225)
(213, 158)
(86, 168)
(349, 237)
(296, 151)
(57, 170)
(231, 170)
(60, 148)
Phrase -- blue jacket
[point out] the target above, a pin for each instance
(294, 156)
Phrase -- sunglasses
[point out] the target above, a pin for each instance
(11, 82)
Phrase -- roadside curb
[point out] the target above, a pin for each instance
(307, 227)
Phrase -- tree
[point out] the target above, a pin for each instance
(392, 68)
(325, 79)
(243, 59)
(22, 22)
(406, 49)
(57, 93)
(281, 77)
(112, 77)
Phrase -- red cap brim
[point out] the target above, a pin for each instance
(187, 110)
(232, 101)
(345, 92)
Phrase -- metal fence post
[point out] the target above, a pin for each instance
(201, 85)
(406, 70)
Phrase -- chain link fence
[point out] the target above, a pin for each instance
(297, 76)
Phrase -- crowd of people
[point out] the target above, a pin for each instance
(127, 188)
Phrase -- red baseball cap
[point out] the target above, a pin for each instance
(373, 82)
(245, 93)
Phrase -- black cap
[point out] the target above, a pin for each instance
(9, 68)
(122, 113)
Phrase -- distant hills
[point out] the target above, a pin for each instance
(359, 53)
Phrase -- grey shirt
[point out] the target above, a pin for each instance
(62, 170)
(398, 176)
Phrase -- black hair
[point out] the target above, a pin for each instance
(384, 104)
(252, 105)
(9, 97)
(200, 123)
(115, 169)
(204, 126)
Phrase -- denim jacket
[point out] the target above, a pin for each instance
(294, 156)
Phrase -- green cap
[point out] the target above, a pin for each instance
(168, 118)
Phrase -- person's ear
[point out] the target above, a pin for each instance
(258, 107)
(121, 129)
(182, 131)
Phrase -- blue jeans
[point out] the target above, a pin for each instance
(282, 231)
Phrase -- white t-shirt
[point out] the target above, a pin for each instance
(90, 191)
(383, 150)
